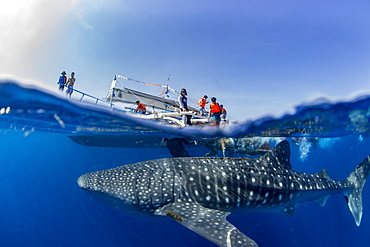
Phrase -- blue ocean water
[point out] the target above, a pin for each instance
(42, 205)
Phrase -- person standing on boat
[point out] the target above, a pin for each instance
(183, 102)
(223, 113)
(140, 108)
(215, 112)
(62, 81)
(202, 102)
(70, 83)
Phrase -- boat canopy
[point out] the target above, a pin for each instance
(127, 95)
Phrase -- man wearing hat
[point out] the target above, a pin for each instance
(62, 81)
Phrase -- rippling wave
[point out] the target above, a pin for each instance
(30, 108)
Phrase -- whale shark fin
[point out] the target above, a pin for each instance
(278, 156)
(209, 223)
(357, 179)
(322, 200)
(323, 174)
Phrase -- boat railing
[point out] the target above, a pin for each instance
(97, 100)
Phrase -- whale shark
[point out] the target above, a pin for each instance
(200, 193)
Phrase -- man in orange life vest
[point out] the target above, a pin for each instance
(202, 104)
(215, 111)
(140, 108)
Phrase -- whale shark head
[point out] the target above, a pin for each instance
(111, 187)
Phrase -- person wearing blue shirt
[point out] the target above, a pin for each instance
(183, 102)
(62, 81)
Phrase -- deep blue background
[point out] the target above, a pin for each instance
(42, 205)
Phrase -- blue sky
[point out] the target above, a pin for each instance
(256, 57)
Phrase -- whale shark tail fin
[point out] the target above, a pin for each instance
(357, 179)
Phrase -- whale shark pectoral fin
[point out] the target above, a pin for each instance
(209, 223)
(322, 200)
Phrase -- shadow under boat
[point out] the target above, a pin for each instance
(119, 141)
(174, 145)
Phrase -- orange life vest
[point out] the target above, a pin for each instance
(202, 102)
(215, 108)
(141, 106)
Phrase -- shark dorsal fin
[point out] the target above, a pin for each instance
(279, 155)
(323, 174)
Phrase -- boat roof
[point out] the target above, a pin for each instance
(127, 95)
